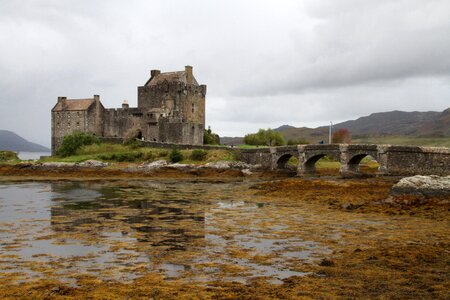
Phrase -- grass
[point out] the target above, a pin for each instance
(8, 156)
(404, 140)
(131, 153)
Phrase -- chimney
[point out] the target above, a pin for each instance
(189, 76)
(125, 104)
(154, 73)
(62, 100)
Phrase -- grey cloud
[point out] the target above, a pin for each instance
(265, 63)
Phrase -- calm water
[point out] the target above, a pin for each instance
(32, 155)
(120, 230)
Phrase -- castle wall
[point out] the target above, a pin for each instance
(180, 132)
(65, 123)
(122, 122)
(193, 104)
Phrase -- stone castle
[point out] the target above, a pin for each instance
(170, 109)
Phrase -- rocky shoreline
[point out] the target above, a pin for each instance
(93, 169)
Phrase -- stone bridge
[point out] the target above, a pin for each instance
(393, 160)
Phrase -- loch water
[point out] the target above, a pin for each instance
(120, 230)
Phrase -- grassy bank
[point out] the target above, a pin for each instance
(133, 153)
(8, 156)
(405, 140)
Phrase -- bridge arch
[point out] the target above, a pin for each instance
(351, 157)
(282, 155)
(283, 160)
(310, 165)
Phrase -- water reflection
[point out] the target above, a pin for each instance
(120, 230)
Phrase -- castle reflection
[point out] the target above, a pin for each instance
(158, 216)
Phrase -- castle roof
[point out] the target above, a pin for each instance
(73, 104)
(178, 76)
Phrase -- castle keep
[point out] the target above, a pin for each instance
(171, 109)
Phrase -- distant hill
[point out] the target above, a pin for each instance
(382, 124)
(231, 140)
(11, 141)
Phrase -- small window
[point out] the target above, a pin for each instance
(78, 123)
(193, 107)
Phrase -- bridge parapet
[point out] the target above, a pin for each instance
(413, 160)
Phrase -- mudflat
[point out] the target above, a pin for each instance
(218, 235)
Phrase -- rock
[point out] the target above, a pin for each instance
(230, 165)
(154, 165)
(422, 186)
(347, 206)
(179, 166)
(56, 165)
(326, 263)
(218, 165)
(247, 172)
(93, 164)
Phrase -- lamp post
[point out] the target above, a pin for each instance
(329, 133)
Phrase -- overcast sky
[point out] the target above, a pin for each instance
(266, 63)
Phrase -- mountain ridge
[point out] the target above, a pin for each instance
(13, 142)
(391, 123)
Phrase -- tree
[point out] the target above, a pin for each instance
(267, 137)
(210, 138)
(342, 136)
(71, 143)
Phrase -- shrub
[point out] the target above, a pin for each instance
(198, 154)
(342, 135)
(175, 156)
(71, 143)
(8, 155)
(133, 144)
(267, 137)
(122, 156)
(210, 138)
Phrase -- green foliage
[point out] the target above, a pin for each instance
(71, 143)
(297, 142)
(8, 155)
(264, 137)
(175, 156)
(134, 144)
(210, 138)
(122, 156)
(198, 154)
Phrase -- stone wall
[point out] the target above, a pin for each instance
(410, 160)
(261, 156)
(393, 160)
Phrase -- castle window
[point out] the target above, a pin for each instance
(193, 107)
(78, 123)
